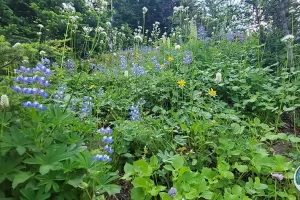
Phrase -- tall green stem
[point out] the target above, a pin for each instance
(64, 49)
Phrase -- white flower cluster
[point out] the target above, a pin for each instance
(288, 38)
(4, 102)
(68, 7)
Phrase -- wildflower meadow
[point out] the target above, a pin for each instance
(141, 100)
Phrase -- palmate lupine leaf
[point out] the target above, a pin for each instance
(29, 194)
(50, 160)
(14, 140)
(9, 167)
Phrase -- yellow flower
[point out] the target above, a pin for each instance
(181, 83)
(170, 59)
(92, 86)
(162, 66)
(107, 58)
(212, 92)
(181, 149)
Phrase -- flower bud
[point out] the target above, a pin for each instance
(4, 102)
(218, 78)
(126, 73)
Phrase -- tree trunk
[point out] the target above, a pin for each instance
(284, 23)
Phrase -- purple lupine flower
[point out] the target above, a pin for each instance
(123, 64)
(108, 149)
(107, 140)
(188, 58)
(138, 70)
(100, 92)
(172, 192)
(87, 106)
(69, 65)
(157, 66)
(100, 157)
(46, 62)
(134, 113)
(201, 32)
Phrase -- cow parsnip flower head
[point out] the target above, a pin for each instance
(288, 38)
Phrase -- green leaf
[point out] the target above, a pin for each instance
(207, 195)
(169, 167)
(21, 150)
(241, 168)
(164, 196)
(137, 194)
(177, 162)
(75, 181)
(194, 162)
(154, 162)
(140, 182)
(142, 167)
(44, 169)
(20, 177)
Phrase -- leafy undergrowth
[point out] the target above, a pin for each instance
(201, 122)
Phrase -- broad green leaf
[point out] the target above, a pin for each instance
(241, 168)
(137, 194)
(207, 195)
(142, 167)
(154, 162)
(20, 177)
(165, 196)
(177, 162)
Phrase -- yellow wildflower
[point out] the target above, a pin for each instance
(181, 149)
(107, 58)
(212, 92)
(162, 66)
(92, 86)
(181, 83)
(170, 58)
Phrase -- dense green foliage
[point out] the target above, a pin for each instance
(92, 108)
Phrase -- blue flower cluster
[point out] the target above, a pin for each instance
(157, 66)
(135, 110)
(100, 92)
(33, 76)
(69, 65)
(73, 101)
(43, 70)
(87, 106)
(201, 32)
(31, 91)
(138, 70)
(107, 140)
(172, 192)
(123, 64)
(46, 62)
(35, 104)
(187, 58)
(97, 67)
(59, 94)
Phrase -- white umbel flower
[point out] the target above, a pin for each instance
(145, 10)
(218, 78)
(4, 102)
(287, 38)
(177, 47)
